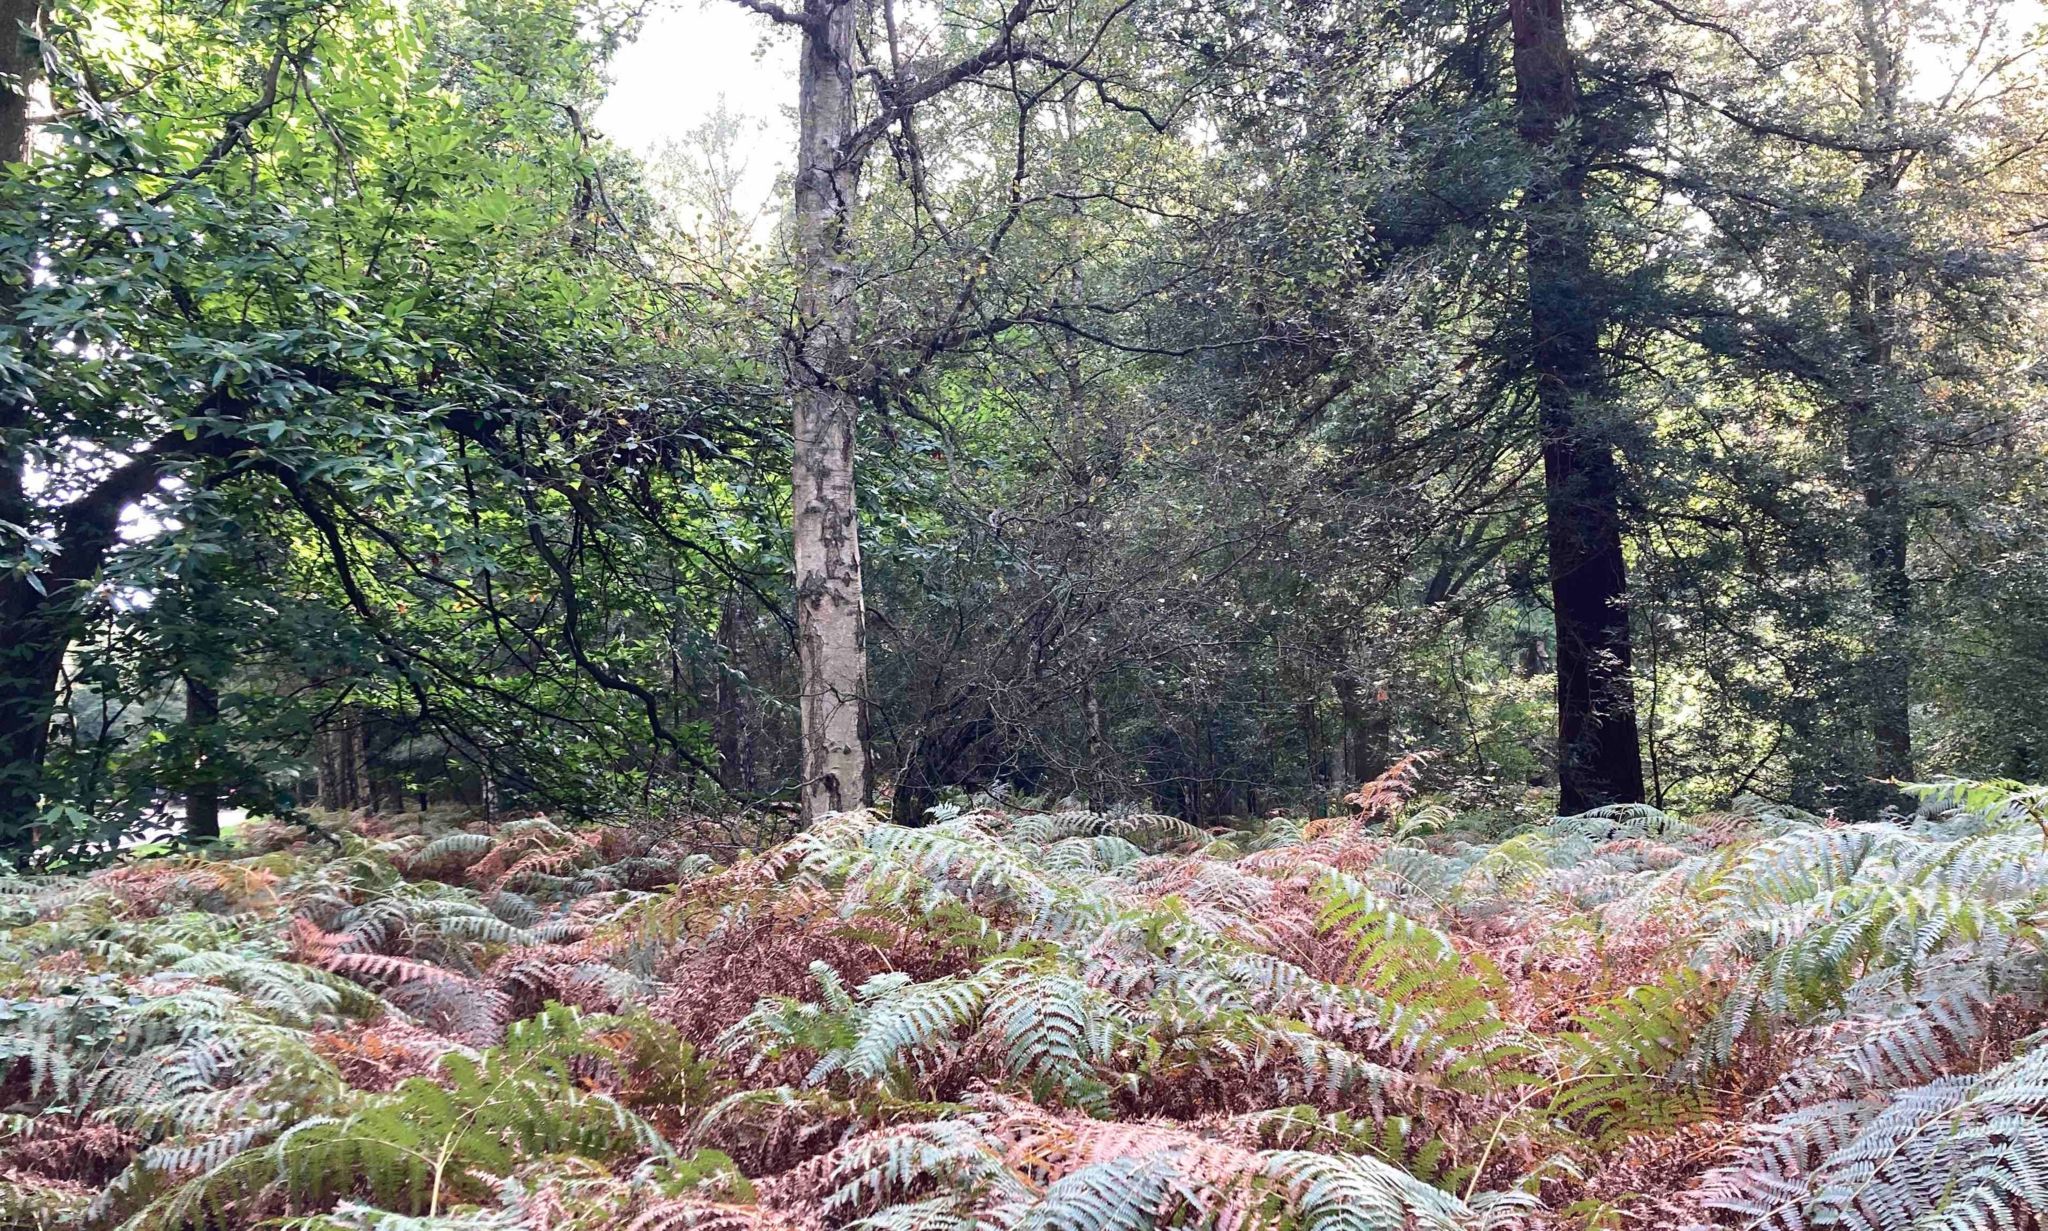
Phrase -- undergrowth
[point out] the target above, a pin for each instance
(1065, 1020)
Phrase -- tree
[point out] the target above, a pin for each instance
(832, 667)
(827, 357)
(1861, 299)
(1599, 754)
(365, 347)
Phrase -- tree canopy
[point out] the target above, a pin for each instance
(1176, 402)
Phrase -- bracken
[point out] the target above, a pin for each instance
(1015, 1019)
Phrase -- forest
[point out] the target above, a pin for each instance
(1236, 615)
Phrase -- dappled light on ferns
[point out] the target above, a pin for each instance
(1072, 1020)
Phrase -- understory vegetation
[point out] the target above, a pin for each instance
(1062, 615)
(1191, 403)
(1396, 1018)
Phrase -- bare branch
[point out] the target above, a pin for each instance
(781, 16)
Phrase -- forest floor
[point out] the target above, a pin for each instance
(1016, 1019)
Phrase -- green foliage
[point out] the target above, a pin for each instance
(969, 1025)
(1431, 998)
(1627, 1068)
(431, 1144)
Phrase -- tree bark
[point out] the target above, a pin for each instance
(1350, 747)
(1599, 749)
(1875, 444)
(32, 638)
(40, 614)
(328, 788)
(202, 796)
(1312, 748)
(343, 762)
(32, 643)
(21, 62)
(831, 638)
(1885, 523)
(358, 754)
(1098, 749)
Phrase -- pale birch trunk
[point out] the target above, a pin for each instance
(831, 648)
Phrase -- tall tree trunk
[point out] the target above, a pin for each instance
(202, 795)
(1885, 523)
(33, 636)
(32, 643)
(343, 762)
(1368, 729)
(1875, 442)
(21, 64)
(333, 781)
(831, 640)
(1378, 734)
(323, 768)
(1312, 741)
(1599, 749)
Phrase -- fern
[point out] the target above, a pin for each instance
(425, 1146)
(1957, 1152)
(1628, 1061)
(1337, 1193)
(1429, 1001)
(1049, 1019)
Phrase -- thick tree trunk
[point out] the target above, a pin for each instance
(202, 794)
(21, 63)
(831, 640)
(37, 626)
(343, 762)
(1885, 523)
(358, 753)
(1350, 742)
(33, 637)
(1599, 749)
(1318, 769)
(331, 783)
(1368, 729)
(323, 770)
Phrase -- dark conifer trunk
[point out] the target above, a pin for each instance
(32, 646)
(1367, 731)
(32, 638)
(202, 796)
(1312, 748)
(1885, 521)
(1599, 750)
(1875, 438)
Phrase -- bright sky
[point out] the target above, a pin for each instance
(693, 53)
(690, 54)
